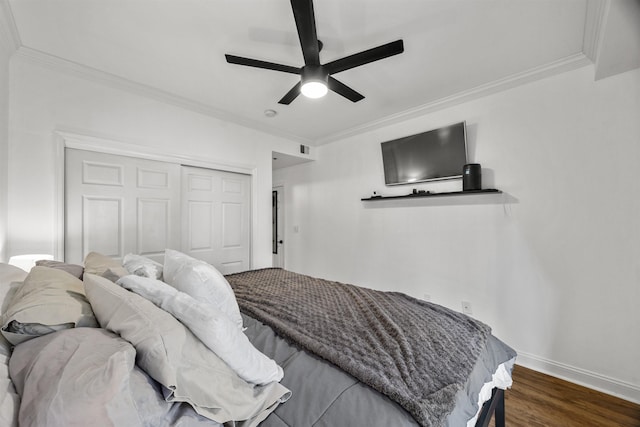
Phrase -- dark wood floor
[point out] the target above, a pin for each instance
(539, 400)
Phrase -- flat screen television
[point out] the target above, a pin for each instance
(429, 156)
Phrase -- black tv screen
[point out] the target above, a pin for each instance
(429, 156)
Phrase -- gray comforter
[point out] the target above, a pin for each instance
(323, 395)
(418, 354)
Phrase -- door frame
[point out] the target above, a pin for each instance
(65, 140)
(280, 221)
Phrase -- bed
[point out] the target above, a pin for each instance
(149, 344)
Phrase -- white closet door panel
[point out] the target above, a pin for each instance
(148, 195)
(102, 225)
(200, 183)
(233, 186)
(154, 179)
(218, 234)
(102, 173)
(200, 226)
(232, 225)
(232, 267)
(154, 228)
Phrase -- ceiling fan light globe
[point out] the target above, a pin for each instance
(314, 89)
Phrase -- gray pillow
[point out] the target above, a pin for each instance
(47, 297)
(173, 356)
(9, 398)
(73, 269)
(79, 377)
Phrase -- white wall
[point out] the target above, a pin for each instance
(553, 265)
(4, 142)
(44, 101)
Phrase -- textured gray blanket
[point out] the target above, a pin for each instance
(419, 354)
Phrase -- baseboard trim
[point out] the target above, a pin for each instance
(608, 385)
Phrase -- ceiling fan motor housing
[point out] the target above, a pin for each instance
(314, 73)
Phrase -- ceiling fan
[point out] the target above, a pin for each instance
(317, 78)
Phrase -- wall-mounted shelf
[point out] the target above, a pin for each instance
(429, 194)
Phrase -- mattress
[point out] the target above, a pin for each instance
(322, 394)
(369, 349)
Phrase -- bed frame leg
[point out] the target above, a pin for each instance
(493, 407)
(499, 412)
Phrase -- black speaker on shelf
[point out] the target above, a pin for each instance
(472, 177)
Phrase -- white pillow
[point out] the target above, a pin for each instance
(47, 300)
(213, 327)
(202, 282)
(142, 266)
(173, 356)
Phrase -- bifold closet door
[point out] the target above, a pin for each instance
(216, 215)
(117, 205)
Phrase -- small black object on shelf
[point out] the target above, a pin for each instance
(471, 177)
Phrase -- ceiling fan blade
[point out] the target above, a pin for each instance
(344, 90)
(306, 25)
(365, 57)
(232, 59)
(291, 95)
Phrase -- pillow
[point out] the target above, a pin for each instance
(47, 300)
(8, 275)
(9, 398)
(202, 282)
(73, 269)
(174, 357)
(102, 265)
(79, 377)
(211, 326)
(142, 266)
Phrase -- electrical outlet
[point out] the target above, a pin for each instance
(426, 297)
(466, 308)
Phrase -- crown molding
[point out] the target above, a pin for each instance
(568, 63)
(9, 36)
(594, 19)
(111, 80)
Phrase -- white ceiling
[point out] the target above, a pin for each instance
(454, 49)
